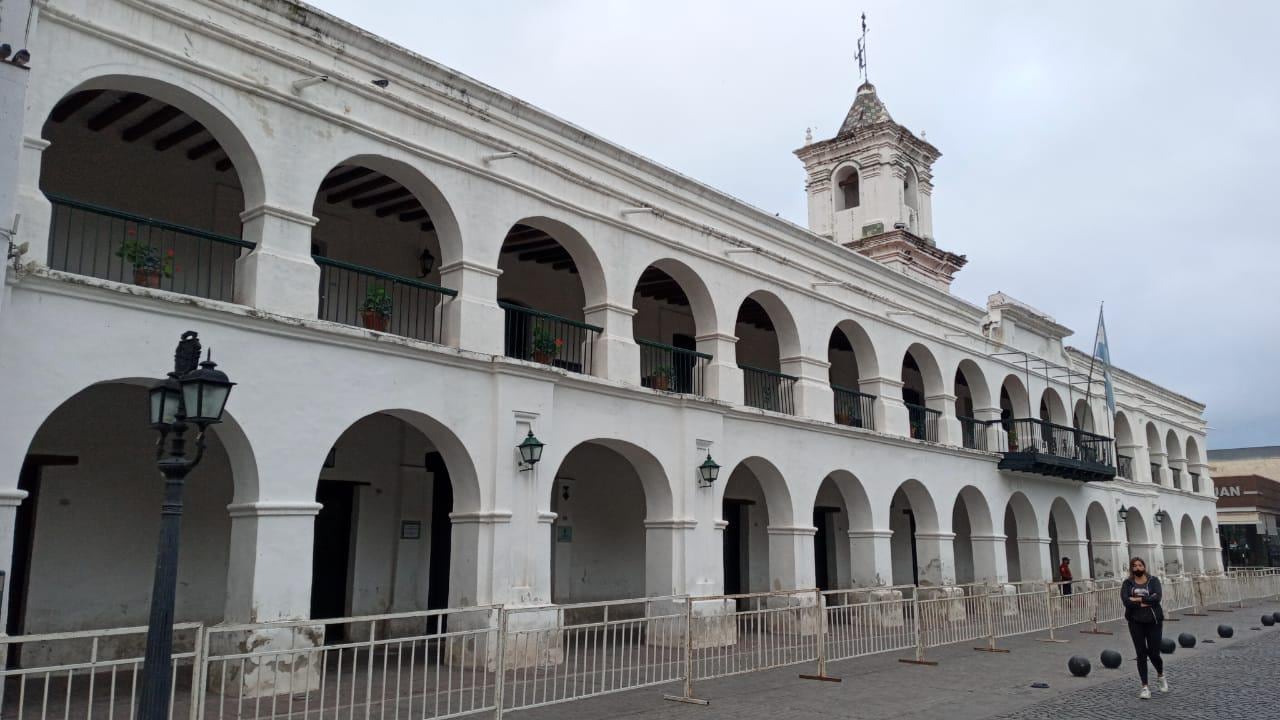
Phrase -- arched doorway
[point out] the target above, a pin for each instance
(612, 538)
(175, 224)
(920, 555)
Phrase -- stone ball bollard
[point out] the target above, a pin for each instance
(1276, 616)
(1167, 646)
(1226, 631)
(1079, 666)
(1111, 659)
(1268, 620)
(1187, 640)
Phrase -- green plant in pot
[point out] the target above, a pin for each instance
(375, 313)
(662, 377)
(149, 263)
(545, 344)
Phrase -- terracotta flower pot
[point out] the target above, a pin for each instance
(147, 278)
(661, 382)
(374, 320)
(542, 357)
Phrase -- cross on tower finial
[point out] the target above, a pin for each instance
(862, 50)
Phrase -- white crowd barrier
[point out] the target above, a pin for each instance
(457, 662)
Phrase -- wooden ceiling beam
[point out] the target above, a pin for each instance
(413, 215)
(555, 253)
(73, 104)
(182, 134)
(428, 226)
(360, 189)
(125, 105)
(223, 165)
(344, 177)
(510, 247)
(380, 198)
(399, 207)
(202, 149)
(150, 123)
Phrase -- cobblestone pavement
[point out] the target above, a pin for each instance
(1239, 677)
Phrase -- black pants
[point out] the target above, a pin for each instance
(1146, 643)
(1066, 588)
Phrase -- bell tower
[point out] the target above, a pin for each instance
(871, 188)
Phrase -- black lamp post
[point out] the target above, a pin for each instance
(196, 393)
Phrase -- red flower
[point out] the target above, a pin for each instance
(169, 252)
(559, 343)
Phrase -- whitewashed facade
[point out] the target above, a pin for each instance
(362, 471)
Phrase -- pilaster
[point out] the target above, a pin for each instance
(791, 557)
(616, 355)
(871, 556)
(948, 423)
(1033, 558)
(279, 276)
(724, 377)
(813, 396)
(472, 319)
(9, 502)
(990, 559)
(935, 555)
(270, 560)
(890, 412)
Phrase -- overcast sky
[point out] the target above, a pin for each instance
(1120, 151)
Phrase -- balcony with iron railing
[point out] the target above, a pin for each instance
(1175, 474)
(1124, 466)
(364, 297)
(1041, 447)
(853, 408)
(1195, 482)
(973, 433)
(548, 339)
(768, 390)
(673, 369)
(1155, 473)
(923, 422)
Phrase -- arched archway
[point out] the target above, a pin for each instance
(1015, 404)
(1053, 409)
(921, 555)
(1082, 416)
(1126, 447)
(613, 535)
(550, 277)
(975, 544)
(853, 360)
(1026, 552)
(1173, 458)
(922, 388)
(85, 536)
(1157, 454)
(1209, 540)
(1135, 527)
(972, 395)
(1065, 542)
(848, 195)
(844, 546)
(383, 232)
(911, 198)
(760, 531)
(175, 225)
(766, 333)
(673, 308)
(1192, 553)
(397, 469)
(1195, 464)
(1102, 548)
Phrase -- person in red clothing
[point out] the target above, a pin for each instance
(1064, 571)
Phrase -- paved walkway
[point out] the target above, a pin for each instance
(1239, 677)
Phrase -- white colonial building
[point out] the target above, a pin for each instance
(407, 271)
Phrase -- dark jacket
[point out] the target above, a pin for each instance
(1137, 612)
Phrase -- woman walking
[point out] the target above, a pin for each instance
(1141, 596)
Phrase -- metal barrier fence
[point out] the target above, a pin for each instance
(449, 663)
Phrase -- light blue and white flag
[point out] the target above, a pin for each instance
(1103, 353)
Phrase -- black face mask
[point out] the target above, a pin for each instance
(1139, 573)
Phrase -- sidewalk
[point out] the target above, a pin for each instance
(969, 685)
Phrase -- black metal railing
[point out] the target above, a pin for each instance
(1124, 466)
(666, 367)
(1155, 473)
(1176, 474)
(853, 408)
(368, 298)
(1028, 435)
(549, 339)
(768, 390)
(973, 432)
(923, 422)
(109, 244)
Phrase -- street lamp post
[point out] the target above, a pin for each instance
(195, 393)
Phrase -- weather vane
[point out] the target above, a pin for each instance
(862, 50)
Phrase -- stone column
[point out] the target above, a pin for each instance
(871, 557)
(31, 203)
(1158, 458)
(663, 548)
(935, 558)
(616, 355)
(9, 502)
(1033, 558)
(948, 423)
(890, 412)
(813, 396)
(724, 377)
(279, 276)
(1108, 559)
(472, 319)
(990, 560)
(791, 557)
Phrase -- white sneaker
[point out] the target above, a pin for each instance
(1145, 694)
(1163, 684)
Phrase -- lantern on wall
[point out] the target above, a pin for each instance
(530, 451)
(708, 471)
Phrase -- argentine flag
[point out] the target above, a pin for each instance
(1103, 353)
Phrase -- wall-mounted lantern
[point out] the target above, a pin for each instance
(1124, 513)
(530, 451)
(1160, 516)
(708, 471)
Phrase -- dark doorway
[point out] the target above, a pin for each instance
(331, 553)
(736, 559)
(24, 534)
(823, 550)
(915, 559)
(441, 532)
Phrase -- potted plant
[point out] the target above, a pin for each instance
(376, 310)
(149, 264)
(545, 344)
(661, 377)
(843, 417)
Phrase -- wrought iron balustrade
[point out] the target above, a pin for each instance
(853, 408)
(768, 390)
(105, 243)
(414, 307)
(923, 422)
(1039, 446)
(1124, 466)
(549, 339)
(1176, 475)
(973, 432)
(666, 367)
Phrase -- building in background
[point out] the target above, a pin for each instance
(1247, 483)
